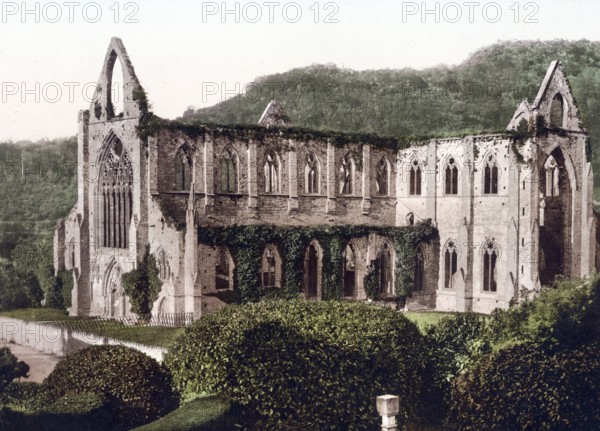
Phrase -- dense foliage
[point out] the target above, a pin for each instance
(480, 94)
(142, 285)
(10, 368)
(564, 315)
(303, 365)
(524, 387)
(136, 388)
(247, 243)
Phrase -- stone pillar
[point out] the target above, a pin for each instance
(293, 178)
(366, 179)
(388, 406)
(431, 181)
(252, 180)
(209, 175)
(331, 183)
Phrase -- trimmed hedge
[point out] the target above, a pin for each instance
(136, 387)
(303, 365)
(525, 387)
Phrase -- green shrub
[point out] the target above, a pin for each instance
(29, 396)
(136, 387)
(567, 314)
(525, 387)
(303, 365)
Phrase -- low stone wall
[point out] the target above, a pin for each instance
(60, 342)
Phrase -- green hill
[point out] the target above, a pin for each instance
(480, 94)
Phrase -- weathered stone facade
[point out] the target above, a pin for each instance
(511, 210)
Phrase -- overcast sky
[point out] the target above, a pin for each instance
(183, 50)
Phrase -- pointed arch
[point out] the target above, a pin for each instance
(224, 267)
(347, 170)
(228, 164)
(114, 296)
(313, 270)
(384, 265)
(450, 255)
(491, 174)
(183, 168)
(272, 172)
(115, 106)
(490, 255)
(558, 111)
(162, 262)
(451, 174)
(312, 171)
(270, 267)
(349, 270)
(101, 108)
(383, 176)
(113, 194)
(415, 177)
(419, 269)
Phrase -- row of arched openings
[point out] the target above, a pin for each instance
(489, 256)
(270, 272)
(452, 175)
(272, 173)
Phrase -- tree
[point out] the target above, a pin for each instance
(142, 285)
(10, 369)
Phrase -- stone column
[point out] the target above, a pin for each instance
(432, 177)
(293, 178)
(366, 179)
(331, 183)
(252, 177)
(209, 175)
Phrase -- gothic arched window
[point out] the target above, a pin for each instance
(415, 179)
(229, 182)
(311, 174)
(384, 264)
(114, 196)
(557, 111)
(451, 177)
(450, 264)
(349, 272)
(162, 262)
(183, 169)
(490, 181)
(382, 180)
(270, 267)
(271, 172)
(490, 257)
(552, 177)
(224, 269)
(419, 270)
(346, 175)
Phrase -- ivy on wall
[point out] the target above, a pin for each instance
(246, 244)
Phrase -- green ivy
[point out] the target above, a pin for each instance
(142, 285)
(246, 244)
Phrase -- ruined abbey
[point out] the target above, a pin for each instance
(233, 213)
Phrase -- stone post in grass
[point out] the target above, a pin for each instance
(388, 406)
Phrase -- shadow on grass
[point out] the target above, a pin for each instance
(201, 414)
(95, 421)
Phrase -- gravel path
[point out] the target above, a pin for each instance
(40, 364)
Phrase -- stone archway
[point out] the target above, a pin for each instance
(313, 271)
(555, 190)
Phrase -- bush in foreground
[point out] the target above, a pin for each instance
(137, 389)
(525, 387)
(303, 365)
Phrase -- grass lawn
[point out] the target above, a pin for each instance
(159, 336)
(201, 414)
(426, 318)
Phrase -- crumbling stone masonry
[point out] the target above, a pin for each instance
(511, 210)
